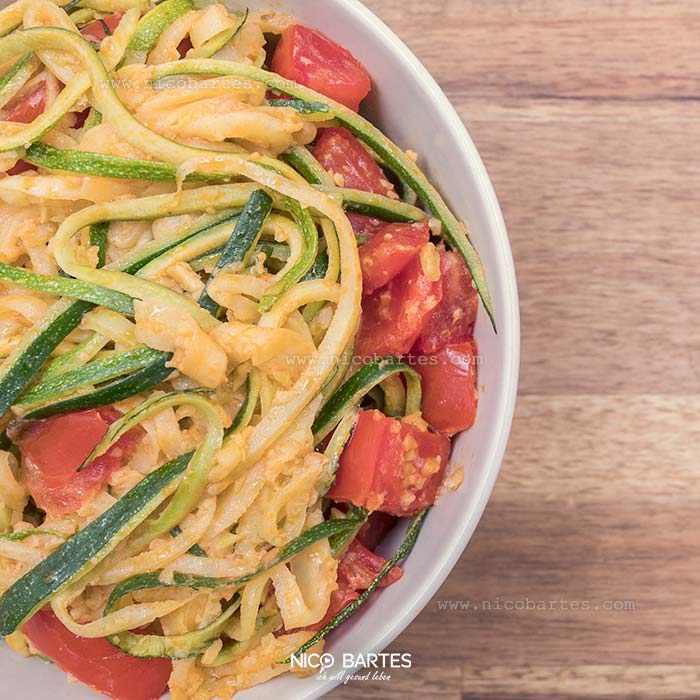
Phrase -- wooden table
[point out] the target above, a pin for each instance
(587, 114)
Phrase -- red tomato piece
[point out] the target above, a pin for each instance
(450, 394)
(342, 153)
(99, 29)
(79, 118)
(96, 662)
(394, 316)
(27, 106)
(368, 443)
(454, 319)
(54, 448)
(21, 166)
(310, 58)
(358, 567)
(364, 225)
(184, 46)
(376, 528)
(388, 252)
(404, 469)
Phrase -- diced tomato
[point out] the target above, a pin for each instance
(375, 529)
(454, 319)
(310, 58)
(364, 225)
(96, 662)
(450, 394)
(27, 106)
(390, 465)
(54, 448)
(341, 153)
(358, 567)
(101, 28)
(388, 252)
(25, 109)
(394, 316)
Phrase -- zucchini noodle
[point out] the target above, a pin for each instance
(180, 269)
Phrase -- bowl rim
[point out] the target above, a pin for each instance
(421, 594)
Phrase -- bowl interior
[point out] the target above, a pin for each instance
(408, 105)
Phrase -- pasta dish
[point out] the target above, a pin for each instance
(236, 340)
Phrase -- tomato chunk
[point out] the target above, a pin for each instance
(454, 318)
(24, 109)
(184, 46)
(101, 28)
(310, 58)
(358, 567)
(54, 448)
(394, 316)
(27, 106)
(389, 251)
(390, 465)
(450, 394)
(342, 153)
(21, 166)
(365, 225)
(375, 529)
(96, 662)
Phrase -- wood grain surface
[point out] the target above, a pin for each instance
(583, 578)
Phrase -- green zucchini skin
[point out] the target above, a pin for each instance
(296, 273)
(99, 238)
(68, 287)
(94, 372)
(94, 119)
(354, 389)
(37, 352)
(14, 382)
(99, 164)
(156, 21)
(341, 540)
(378, 207)
(13, 80)
(375, 212)
(216, 43)
(318, 269)
(302, 160)
(195, 550)
(25, 368)
(179, 646)
(140, 582)
(331, 529)
(301, 106)
(135, 266)
(241, 245)
(388, 153)
(85, 549)
(136, 383)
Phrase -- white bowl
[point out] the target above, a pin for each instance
(412, 109)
